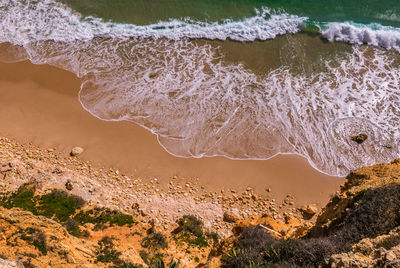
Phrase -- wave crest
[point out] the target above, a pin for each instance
(374, 34)
(26, 21)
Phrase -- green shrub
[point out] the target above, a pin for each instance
(23, 198)
(255, 248)
(155, 241)
(36, 238)
(190, 230)
(106, 252)
(73, 228)
(214, 236)
(59, 204)
(190, 224)
(145, 256)
(103, 217)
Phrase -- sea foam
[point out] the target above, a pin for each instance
(25, 21)
(198, 105)
(353, 33)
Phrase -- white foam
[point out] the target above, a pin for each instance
(26, 21)
(199, 107)
(373, 34)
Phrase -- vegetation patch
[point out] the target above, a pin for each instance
(190, 231)
(103, 217)
(63, 207)
(23, 198)
(73, 228)
(191, 224)
(59, 205)
(106, 253)
(155, 241)
(255, 248)
(36, 238)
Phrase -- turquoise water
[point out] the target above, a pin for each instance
(242, 79)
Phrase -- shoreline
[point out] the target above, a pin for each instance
(39, 105)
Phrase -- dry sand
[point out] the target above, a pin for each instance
(39, 104)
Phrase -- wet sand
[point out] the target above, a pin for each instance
(39, 104)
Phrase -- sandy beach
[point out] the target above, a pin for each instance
(39, 105)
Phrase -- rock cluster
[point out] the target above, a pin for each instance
(151, 201)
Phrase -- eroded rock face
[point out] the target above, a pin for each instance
(383, 251)
(359, 226)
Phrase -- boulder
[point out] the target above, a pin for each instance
(309, 209)
(76, 151)
(231, 216)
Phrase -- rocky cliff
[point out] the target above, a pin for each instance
(359, 227)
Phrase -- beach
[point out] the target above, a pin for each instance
(213, 133)
(39, 105)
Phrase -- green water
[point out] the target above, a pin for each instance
(385, 12)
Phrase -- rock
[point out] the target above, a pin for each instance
(76, 151)
(309, 209)
(7, 263)
(68, 185)
(390, 256)
(364, 247)
(231, 216)
(360, 138)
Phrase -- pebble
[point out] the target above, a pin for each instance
(76, 151)
(68, 185)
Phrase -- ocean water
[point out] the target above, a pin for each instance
(244, 79)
